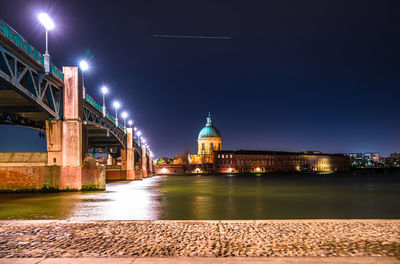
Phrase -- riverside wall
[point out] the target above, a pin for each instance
(28, 171)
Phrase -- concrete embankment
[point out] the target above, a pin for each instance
(258, 238)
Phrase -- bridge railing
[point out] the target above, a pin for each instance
(92, 102)
(9, 33)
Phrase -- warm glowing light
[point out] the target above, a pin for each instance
(124, 114)
(84, 65)
(258, 169)
(116, 104)
(164, 170)
(104, 90)
(46, 21)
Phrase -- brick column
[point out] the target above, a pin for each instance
(150, 164)
(144, 162)
(130, 155)
(54, 142)
(122, 172)
(71, 171)
(110, 160)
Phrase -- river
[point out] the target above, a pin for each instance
(218, 197)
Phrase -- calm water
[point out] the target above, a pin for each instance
(218, 197)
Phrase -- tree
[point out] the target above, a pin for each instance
(160, 161)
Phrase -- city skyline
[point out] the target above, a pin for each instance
(291, 78)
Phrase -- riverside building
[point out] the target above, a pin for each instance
(210, 158)
(256, 161)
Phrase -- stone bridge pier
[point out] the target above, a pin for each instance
(64, 166)
(66, 146)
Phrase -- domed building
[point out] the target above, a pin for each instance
(209, 139)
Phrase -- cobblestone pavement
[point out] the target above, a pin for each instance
(293, 238)
(200, 260)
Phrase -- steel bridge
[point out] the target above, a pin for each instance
(30, 97)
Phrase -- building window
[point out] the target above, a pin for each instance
(203, 146)
(219, 146)
(212, 146)
(231, 156)
(222, 156)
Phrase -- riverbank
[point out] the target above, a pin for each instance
(256, 238)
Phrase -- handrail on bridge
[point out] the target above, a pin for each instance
(25, 47)
(12, 35)
(92, 102)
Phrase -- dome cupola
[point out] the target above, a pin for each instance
(209, 131)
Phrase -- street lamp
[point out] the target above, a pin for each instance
(48, 24)
(104, 90)
(135, 128)
(116, 106)
(130, 123)
(84, 66)
(124, 116)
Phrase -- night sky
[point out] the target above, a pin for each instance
(296, 75)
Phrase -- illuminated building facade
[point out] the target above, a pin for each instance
(209, 140)
(368, 156)
(254, 161)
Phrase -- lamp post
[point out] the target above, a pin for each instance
(48, 24)
(116, 106)
(84, 66)
(104, 90)
(130, 123)
(124, 116)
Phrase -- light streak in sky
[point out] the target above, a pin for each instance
(190, 37)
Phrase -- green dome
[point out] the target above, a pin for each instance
(209, 130)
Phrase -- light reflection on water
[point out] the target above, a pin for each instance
(134, 200)
(217, 197)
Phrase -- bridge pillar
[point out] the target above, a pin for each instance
(151, 164)
(110, 160)
(144, 162)
(72, 147)
(85, 143)
(130, 155)
(54, 142)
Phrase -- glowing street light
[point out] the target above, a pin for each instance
(116, 106)
(130, 122)
(48, 24)
(104, 90)
(124, 116)
(139, 133)
(135, 128)
(84, 66)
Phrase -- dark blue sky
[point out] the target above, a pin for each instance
(296, 75)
